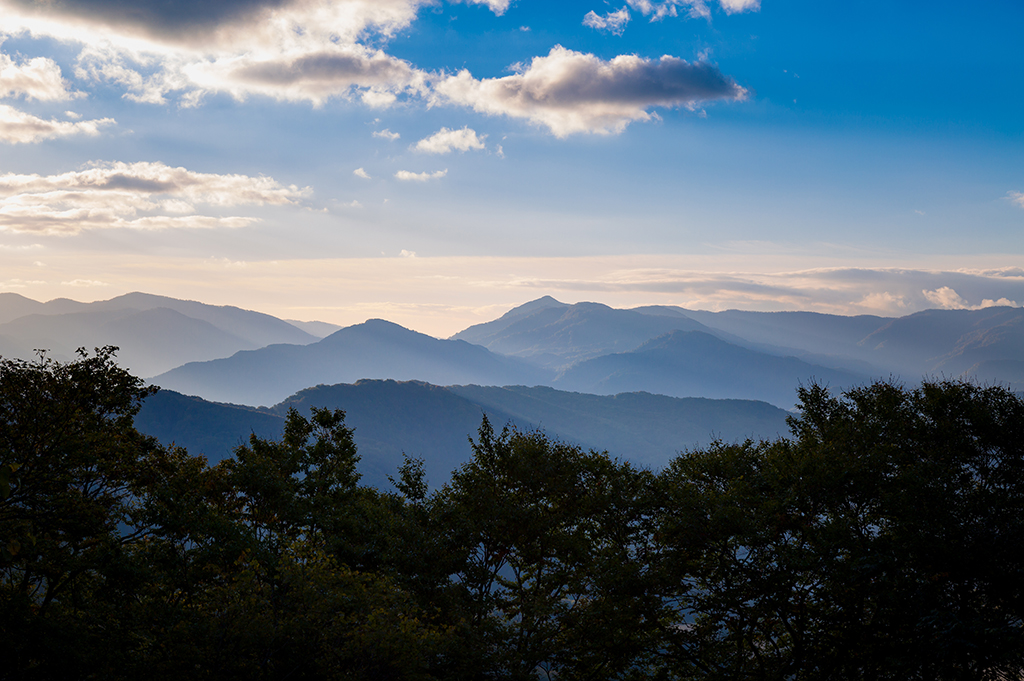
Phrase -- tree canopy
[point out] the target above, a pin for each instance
(880, 540)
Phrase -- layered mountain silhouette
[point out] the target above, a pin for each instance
(554, 334)
(423, 420)
(154, 333)
(232, 355)
(693, 363)
(373, 349)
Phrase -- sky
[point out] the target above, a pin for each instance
(435, 163)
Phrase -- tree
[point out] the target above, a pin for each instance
(882, 542)
(551, 543)
(71, 506)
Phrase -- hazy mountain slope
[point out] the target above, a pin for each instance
(697, 364)
(374, 349)
(811, 332)
(154, 333)
(316, 329)
(479, 332)
(949, 341)
(556, 335)
(1007, 372)
(14, 305)
(641, 427)
(391, 417)
(258, 329)
(434, 423)
(151, 341)
(202, 427)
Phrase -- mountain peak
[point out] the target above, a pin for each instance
(542, 303)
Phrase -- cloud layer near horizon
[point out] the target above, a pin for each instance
(132, 196)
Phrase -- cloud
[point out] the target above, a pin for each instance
(19, 127)
(386, 134)
(445, 141)
(311, 77)
(613, 22)
(1016, 197)
(408, 176)
(134, 196)
(737, 6)
(38, 79)
(571, 92)
(308, 50)
(945, 298)
(948, 299)
(693, 8)
(359, 172)
(499, 7)
(881, 291)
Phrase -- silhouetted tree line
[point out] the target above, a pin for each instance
(883, 540)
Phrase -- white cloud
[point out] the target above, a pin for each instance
(38, 78)
(314, 77)
(737, 6)
(19, 127)
(445, 141)
(1016, 197)
(359, 172)
(143, 196)
(386, 134)
(946, 298)
(499, 7)
(571, 92)
(408, 176)
(308, 50)
(407, 254)
(613, 22)
(693, 8)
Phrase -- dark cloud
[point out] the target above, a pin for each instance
(667, 81)
(356, 69)
(158, 18)
(571, 91)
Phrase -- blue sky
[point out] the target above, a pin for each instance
(435, 163)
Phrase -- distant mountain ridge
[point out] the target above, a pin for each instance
(154, 333)
(373, 349)
(239, 356)
(434, 422)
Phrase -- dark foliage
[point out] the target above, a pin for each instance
(881, 541)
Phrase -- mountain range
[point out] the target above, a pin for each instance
(433, 422)
(231, 355)
(154, 333)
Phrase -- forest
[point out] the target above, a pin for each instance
(879, 540)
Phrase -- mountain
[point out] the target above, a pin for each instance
(949, 341)
(13, 305)
(553, 334)
(373, 349)
(831, 340)
(643, 428)
(154, 333)
(693, 363)
(435, 423)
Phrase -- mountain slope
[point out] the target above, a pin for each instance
(374, 349)
(154, 333)
(434, 423)
(693, 363)
(553, 334)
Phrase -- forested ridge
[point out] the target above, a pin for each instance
(880, 540)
